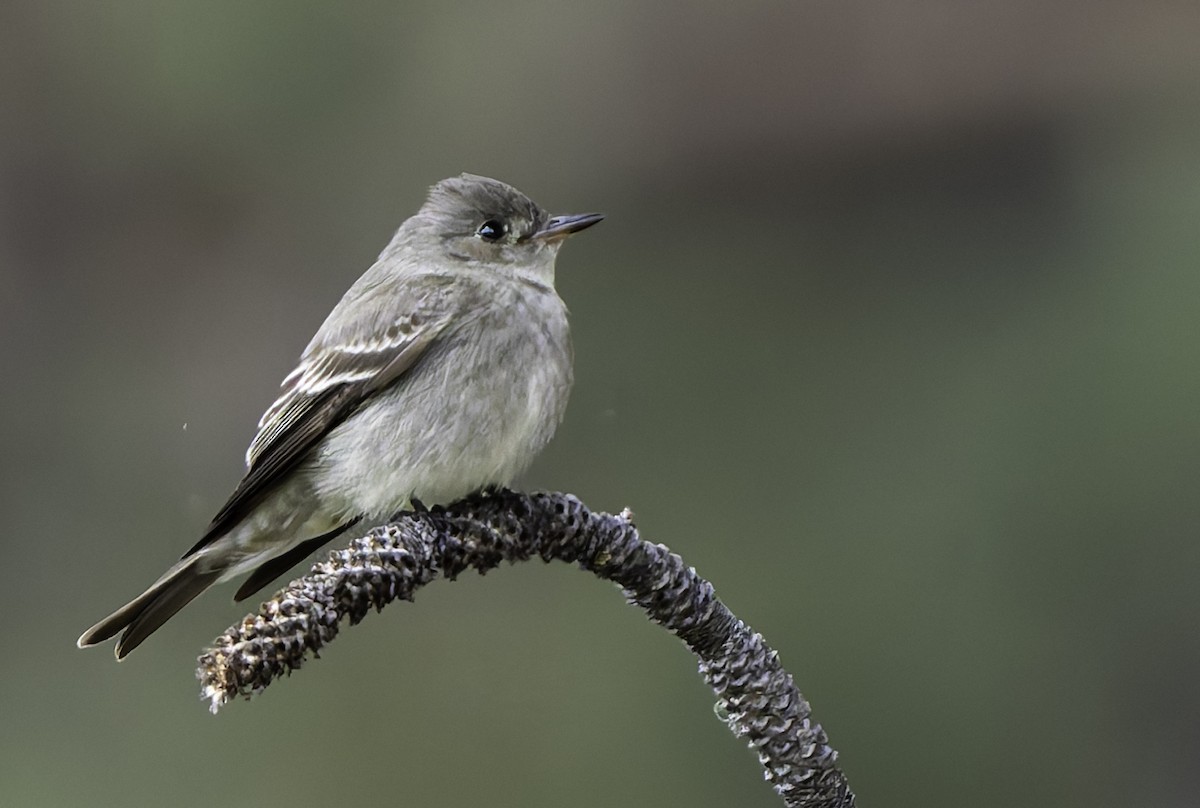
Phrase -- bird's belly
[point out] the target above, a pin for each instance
(473, 412)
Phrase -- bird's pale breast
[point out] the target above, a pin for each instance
(474, 410)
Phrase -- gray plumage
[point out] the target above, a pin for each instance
(444, 369)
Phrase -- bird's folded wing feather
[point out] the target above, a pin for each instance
(332, 380)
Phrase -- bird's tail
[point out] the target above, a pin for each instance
(142, 616)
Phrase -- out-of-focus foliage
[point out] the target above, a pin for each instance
(893, 331)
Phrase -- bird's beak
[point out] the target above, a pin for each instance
(559, 227)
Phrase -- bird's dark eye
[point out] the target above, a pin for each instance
(492, 230)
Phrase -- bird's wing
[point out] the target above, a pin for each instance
(330, 383)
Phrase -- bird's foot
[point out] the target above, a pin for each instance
(414, 506)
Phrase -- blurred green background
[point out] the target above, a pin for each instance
(893, 331)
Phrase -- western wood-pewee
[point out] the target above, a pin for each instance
(444, 369)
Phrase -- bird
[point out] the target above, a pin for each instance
(442, 371)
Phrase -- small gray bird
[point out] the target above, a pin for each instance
(443, 370)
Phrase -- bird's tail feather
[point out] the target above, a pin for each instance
(273, 568)
(144, 614)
